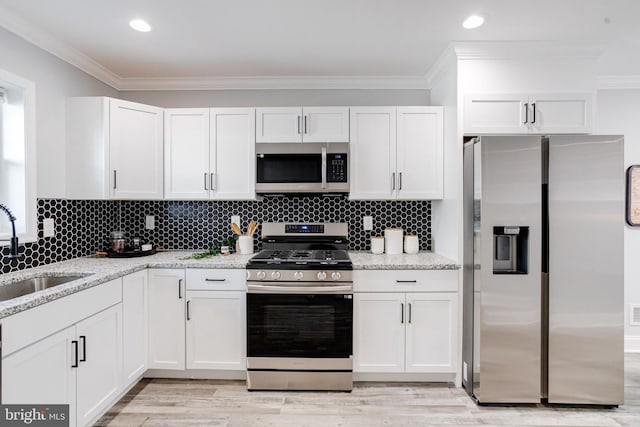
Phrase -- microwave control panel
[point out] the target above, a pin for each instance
(337, 167)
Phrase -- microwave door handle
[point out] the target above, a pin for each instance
(324, 167)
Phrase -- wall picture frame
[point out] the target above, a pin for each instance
(633, 196)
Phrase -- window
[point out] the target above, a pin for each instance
(17, 156)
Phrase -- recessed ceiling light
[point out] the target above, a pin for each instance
(140, 25)
(473, 21)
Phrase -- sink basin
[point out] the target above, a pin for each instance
(34, 284)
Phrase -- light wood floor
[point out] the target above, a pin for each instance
(228, 403)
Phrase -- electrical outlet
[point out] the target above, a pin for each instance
(48, 227)
(235, 219)
(367, 223)
(149, 222)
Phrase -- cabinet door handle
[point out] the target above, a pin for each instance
(215, 280)
(393, 181)
(401, 312)
(406, 281)
(205, 181)
(409, 312)
(212, 183)
(179, 288)
(400, 181)
(298, 124)
(526, 113)
(114, 179)
(305, 124)
(188, 310)
(75, 351)
(84, 348)
(534, 112)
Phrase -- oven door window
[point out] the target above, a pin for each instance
(294, 168)
(299, 325)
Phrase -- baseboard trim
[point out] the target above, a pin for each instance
(199, 374)
(632, 343)
(404, 377)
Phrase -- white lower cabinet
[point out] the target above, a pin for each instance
(166, 333)
(216, 330)
(80, 366)
(431, 332)
(99, 377)
(134, 333)
(197, 319)
(42, 373)
(378, 332)
(402, 323)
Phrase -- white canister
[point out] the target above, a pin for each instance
(411, 244)
(377, 244)
(245, 244)
(393, 240)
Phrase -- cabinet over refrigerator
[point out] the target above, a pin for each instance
(543, 269)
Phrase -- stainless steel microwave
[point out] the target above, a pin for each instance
(283, 168)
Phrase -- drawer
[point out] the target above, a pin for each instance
(205, 279)
(405, 281)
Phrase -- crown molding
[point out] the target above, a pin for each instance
(274, 82)
(527, 49)
(618, 82)
(51, 44)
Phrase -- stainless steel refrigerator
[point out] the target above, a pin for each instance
(543, 269)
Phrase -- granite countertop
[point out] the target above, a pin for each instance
(419, 261)
(97, 270)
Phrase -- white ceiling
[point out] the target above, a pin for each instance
(214, 39)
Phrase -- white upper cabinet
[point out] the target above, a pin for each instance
(233, 154)
(373, 153)
(325, 124)
(210, 153)
(396, 153)
(560, 113)
(113, 150)
(302, 124)
(419, 153)
(527, 113)
(186, 153)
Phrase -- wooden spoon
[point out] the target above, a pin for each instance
(251, 229)
(236, 229)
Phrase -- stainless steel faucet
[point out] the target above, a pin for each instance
(13, 252)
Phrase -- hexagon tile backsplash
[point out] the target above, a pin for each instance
(83, 226)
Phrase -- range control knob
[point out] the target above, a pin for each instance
(322, 275)
(335, 275)
(261, 275)
(275, 275)
(298, 275)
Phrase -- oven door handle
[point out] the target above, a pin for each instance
(296, 288)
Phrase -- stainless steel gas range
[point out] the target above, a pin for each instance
(300, 309)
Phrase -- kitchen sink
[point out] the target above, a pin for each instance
(34, 284)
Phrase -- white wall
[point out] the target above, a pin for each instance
(524, 75)
(446, 218)
(55, 80)
(275, 98)
(618, 112)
